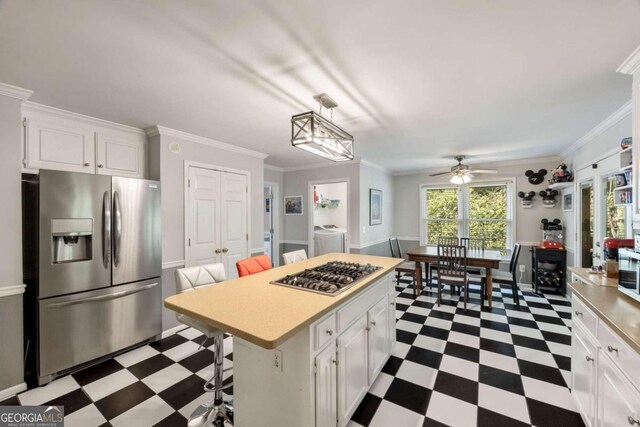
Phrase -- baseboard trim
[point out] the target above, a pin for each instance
(173, 331)
(256, 251)
(173, 264)
(295, 242)
(8, 291)
(12, 391)
(368, 244)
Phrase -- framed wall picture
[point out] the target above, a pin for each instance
(567, 202)
(375, 207)
(293, 205)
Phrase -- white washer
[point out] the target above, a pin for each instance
(328, 239)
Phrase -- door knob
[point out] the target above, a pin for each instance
(373, 323)
(225, 250)
(329, 332)
(612, 349)
(100, 166)
(218, 251)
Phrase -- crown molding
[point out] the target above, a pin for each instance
(375, 166)
(631, 65)
(173, 133)
(29, 107)
(614, 118)
(273, 168)
(15, 92)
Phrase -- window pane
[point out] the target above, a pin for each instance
(494, 233)
(441, 203)
(614, 215)
(488, 202)
(436, 229)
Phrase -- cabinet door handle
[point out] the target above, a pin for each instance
(100, 166)
(329, 332)
(612, 349)
(373, 323)
(578, 313)
(87, 164)
(334, 361)
(589, 358)
(392, 304)
(633, 421)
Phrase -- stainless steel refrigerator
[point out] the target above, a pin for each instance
(92, 260)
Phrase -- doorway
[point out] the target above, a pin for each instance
(271, 222)
(586, 223)
(329, 217)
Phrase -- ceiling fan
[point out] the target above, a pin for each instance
(461, 174)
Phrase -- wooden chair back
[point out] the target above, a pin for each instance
(448, 241)
(473, 244)
(396, 250)
(452, 264)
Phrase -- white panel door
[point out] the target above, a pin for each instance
(203, 226)
(618, 400)
(59, 146)
(234, 238)
(583, 374)
(326, 387)
(121, 155)
(352, 369)
(379, 342)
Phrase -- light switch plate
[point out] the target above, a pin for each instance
(277, 360)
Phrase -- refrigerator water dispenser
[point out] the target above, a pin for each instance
(71, 239)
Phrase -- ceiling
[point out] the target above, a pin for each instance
(418, 81)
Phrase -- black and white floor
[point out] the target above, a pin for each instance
(449, 367)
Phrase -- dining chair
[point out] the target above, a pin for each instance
(508, 278)
(444, 240)
(187, 280)
(253, 265)
(452, 270)
(474, 245)
(294, 256)
(408, 268)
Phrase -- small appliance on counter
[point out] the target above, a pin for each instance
(552, 237)
(628, 268)
(611, 245)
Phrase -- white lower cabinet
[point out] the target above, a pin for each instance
(379, 344)
(583, 373)
(353, 379)
(618, 400)
(604, 371)
(326, 387)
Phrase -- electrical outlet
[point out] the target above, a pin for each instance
(277, 360)
(522, 268)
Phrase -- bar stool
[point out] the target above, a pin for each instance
(253, 265)
(216, 411)
(294, 256)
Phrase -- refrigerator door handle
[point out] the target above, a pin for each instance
(102, 297)
(106, 230)
(117, 225)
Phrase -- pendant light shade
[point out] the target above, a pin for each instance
(312, 132)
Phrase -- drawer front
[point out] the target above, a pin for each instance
(324, 331)
(624, 356)
(581, 314)
(361, 304)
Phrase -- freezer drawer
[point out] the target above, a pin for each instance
(79, 328)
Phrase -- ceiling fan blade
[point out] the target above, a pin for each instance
(440, 174)
(483, 171)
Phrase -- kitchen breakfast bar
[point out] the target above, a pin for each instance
(300, 358)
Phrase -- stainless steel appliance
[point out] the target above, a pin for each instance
(629, 272)
(92, 265)
(331, 278)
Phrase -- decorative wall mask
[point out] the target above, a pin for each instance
(526, 199)
(549, 198)
(536, 178)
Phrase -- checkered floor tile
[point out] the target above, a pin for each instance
(449, 367)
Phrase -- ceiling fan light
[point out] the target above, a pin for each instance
(466, 178)
(456, 179)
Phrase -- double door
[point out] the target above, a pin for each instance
(217, 230)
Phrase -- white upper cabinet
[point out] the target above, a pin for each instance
(59, 145)
(120, 154)
(65, 141)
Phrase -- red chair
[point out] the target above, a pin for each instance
(253, 265)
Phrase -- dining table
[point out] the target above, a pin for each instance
(487, 259)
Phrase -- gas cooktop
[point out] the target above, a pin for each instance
(331, 278)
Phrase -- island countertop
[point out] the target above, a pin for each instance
(267, 315)
(619, 311)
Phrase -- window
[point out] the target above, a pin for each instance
(483, 210)
(615, 216)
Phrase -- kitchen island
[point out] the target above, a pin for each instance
(300, 358)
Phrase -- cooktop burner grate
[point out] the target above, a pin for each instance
(331, 278)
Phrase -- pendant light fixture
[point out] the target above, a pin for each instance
(314, 133)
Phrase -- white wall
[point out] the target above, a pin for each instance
(407, 198)
(332, 215)
(372, 177)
